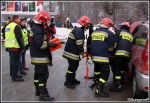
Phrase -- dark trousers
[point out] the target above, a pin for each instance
(111, 62)
(104, 69)
(120, 65)
(41, 73)
(73, 66)
(96, 68)
(71, 73)
(50, 56)
(23, 56)
(20, 64)
(14, 63)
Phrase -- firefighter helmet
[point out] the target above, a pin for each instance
(106, 21)
(84, 20)
(42, 16)
(126, 24)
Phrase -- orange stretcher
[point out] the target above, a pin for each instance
(57, 41)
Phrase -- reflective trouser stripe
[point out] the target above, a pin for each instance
(118, 77)
(69, 71)
(36, 81)
(102, 80)
(97, 73)
(122, 71)
(41, 84)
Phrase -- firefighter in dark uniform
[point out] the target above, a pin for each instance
(73, 49)
(102, 42)
(124, 41)
(39, 48)
(96, 73)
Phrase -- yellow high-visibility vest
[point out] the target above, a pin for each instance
(10, 39)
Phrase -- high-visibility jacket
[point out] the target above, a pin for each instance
(124, 41)
(102, 41)
(74, 45)
(10, 39)
(25, 36)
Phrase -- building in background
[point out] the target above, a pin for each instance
(27, 9)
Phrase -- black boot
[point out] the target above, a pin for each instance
(117, 87)
(37, 90)
(69, 81)
(44, 96)
(99, 90)
(75, 81)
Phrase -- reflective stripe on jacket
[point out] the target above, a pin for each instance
(74, 45)
(102, 41)
(38, 45)
(124, 43)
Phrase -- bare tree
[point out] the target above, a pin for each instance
(60, 10)
(112, 8)
(117, 11)
(50, 6)
(142, 9)
(95, 12)
(67, 8)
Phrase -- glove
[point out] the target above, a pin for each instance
(52, 44)
(84, 54)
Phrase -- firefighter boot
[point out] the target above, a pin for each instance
(69, 81)
(99, 90)
(117, 87)
(75, 81)
(24, 66)
(37, 90)
(44, 96)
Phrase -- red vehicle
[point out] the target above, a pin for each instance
(139, 59)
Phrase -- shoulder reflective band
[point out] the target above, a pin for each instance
(71, 36)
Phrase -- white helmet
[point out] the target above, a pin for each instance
(67, 19)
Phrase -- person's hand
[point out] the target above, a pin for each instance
(84, 54)
(52, 44)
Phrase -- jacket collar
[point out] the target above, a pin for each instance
(14, 22)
